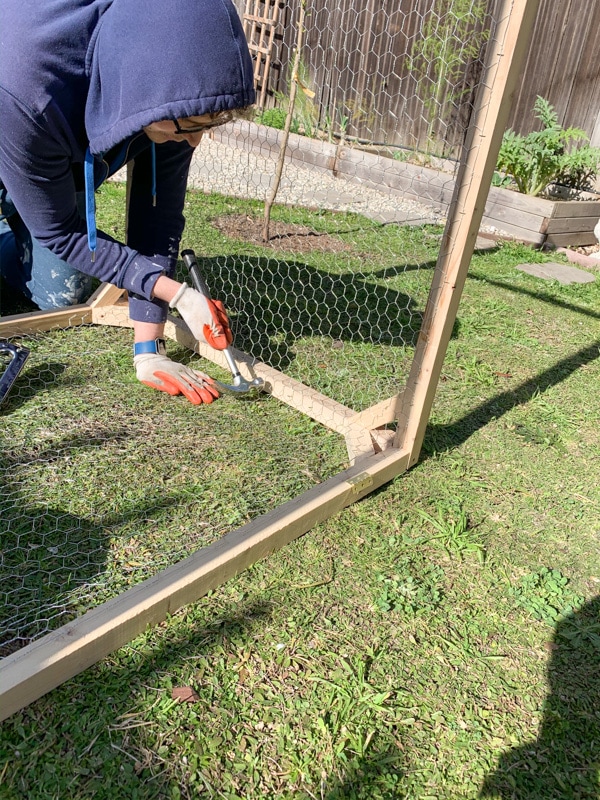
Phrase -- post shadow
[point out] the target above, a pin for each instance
(276, 301)
(563, 761)
(440, 438)
(47, 554)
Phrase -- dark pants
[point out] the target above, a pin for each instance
(33, 270)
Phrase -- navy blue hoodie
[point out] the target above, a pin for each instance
(84, 77)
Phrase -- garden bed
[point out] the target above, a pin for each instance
(533, 220)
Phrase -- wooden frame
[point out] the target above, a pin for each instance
(377, 456)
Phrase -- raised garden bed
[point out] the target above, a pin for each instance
(533, 220)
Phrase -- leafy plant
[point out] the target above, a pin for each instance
(580, 632)
(453, 530)
(343, 120)
(305, 111)
(546, 595)
(273, 117)
(551, 155)
(451, 36)
(411, 593)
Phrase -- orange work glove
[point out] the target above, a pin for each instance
(159, 372)
(206, 319)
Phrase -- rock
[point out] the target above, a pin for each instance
(563, 273)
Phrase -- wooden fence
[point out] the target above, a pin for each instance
(357, 58)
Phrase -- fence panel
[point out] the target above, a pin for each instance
(375, 40)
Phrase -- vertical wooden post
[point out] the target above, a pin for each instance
(505, 56)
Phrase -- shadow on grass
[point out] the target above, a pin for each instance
(83, 725)
(563, 761)
(279, 301)
(446, 437)
(401, 269)
(30, 382)
(51, 560)
(543, 296)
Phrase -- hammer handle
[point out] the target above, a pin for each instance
(189, 259)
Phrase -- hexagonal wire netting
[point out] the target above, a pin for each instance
(104, 481)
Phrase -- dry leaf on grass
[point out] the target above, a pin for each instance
(185, 694)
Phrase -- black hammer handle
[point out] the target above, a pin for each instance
(189, 259)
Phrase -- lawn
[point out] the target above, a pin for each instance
(439, 639)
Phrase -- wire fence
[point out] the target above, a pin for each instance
(400, 73)
(106, 482)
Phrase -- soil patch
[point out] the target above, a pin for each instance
(282, 235)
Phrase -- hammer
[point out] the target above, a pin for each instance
(240, 387)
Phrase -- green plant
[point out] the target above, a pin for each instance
(338, 130)
(454, 530)
(305, 112)
(412, 589)
(452, 35)
(546, 595)
(551, 155)
(273, 117)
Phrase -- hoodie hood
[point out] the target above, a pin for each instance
(151, 60)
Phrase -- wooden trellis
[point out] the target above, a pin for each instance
(260, 20)
(376, 455)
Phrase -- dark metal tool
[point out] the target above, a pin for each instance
(240, 387)
(18, 356)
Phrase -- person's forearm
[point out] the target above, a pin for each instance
(165, 288)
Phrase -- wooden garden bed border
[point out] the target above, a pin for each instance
(46, 663)
(533, 220)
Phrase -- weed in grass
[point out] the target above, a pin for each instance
(351, 707)
(580, 632)
(454, 531)
(470, 369)
(411, 590)
(533, 434)
(552, 414)
(546, 595)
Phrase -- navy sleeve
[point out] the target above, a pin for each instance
(35, 165)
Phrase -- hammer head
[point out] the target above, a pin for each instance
(241, 387)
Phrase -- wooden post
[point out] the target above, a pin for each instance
(504, 58)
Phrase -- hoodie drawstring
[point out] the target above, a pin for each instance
(153, 156)
(90, 202)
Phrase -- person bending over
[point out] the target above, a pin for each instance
(87, 86)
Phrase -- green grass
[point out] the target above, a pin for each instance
(439, 636)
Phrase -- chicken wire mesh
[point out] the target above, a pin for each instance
(106, 482)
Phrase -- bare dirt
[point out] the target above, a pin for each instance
(282, 235)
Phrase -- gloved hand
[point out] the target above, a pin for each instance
(159, 372)
(207, 319)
